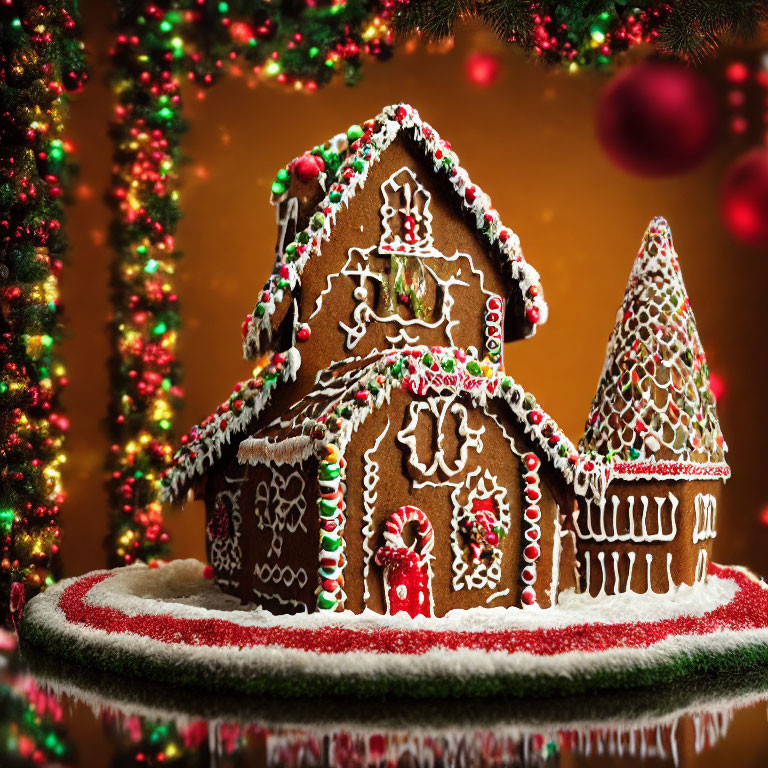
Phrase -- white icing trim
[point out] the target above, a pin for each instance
(664, 518)
(371, 479)
(705, 506)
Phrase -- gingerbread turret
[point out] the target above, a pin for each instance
(654, 401)
(654, 417)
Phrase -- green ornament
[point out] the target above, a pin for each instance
(6, 521)
(335, 196)
(634, 453)
(354, 132)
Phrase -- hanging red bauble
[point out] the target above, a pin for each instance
(657, 119)
(744, 198)
(481, 68)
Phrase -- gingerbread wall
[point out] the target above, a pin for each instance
(273, 547)
(370, 502)
(680, 545)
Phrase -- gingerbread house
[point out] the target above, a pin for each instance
(429, 484)
(654, 419)
(381, 459)
(383, 241)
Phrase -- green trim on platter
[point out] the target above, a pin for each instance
(294, 685)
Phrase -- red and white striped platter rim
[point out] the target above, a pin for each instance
(115, 620)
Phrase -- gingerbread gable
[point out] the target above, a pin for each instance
(347, 166)
(344, 398)
(654, 409)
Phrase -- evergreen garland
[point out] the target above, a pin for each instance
(40, 57)
(158, 44)
(590, 32)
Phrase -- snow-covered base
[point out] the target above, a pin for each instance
(171, 625)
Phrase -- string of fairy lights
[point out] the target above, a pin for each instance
(40, 58)
(157, 46)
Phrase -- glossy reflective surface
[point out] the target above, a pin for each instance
(51, 714)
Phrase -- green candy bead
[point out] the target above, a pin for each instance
(448, 365)
(326, 603)
(328, 508)
(473, 367)
(283, 175)
(330, 543)
(329, 471)
(354, 132)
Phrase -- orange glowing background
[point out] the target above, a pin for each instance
(528, 141)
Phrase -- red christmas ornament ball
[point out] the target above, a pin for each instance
(744, 198)
(657, 119)
(481, 68)
(308, 167)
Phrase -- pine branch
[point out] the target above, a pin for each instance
(694, 27)
(509, 19)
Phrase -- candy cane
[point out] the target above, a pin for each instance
(393, 531)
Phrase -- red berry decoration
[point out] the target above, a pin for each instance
(481, 68)
(308, 167)
(744, 198)
(657, 119)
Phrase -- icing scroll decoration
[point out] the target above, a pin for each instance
(280, 508)
(439, 408)
(480, 521)
(224, 530)
(394, 283)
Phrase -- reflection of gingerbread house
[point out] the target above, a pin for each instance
(380, 458)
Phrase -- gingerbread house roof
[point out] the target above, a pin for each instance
(340, 402)
(354, 155)
(203, 446)
(654, 406)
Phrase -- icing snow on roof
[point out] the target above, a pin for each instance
(365, 146)
(337, 406)
(653, 404)
(205, 443)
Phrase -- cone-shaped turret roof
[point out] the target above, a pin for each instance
(653, 401)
